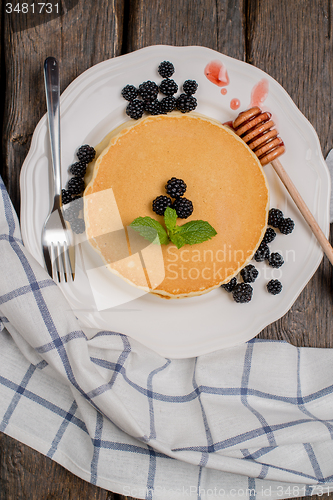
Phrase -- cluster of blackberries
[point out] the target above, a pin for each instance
(277, 220)
(175, 188)
(72, 196)
(242, 292)
(285, 225)
(145, 97)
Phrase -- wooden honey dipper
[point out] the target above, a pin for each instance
(256, 129)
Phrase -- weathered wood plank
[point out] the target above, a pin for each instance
(217, 25)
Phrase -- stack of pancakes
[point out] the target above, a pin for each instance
(225, 183)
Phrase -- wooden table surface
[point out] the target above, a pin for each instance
(290, 40)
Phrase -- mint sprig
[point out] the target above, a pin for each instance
(170, 218)
(191, 233)
(151, 230)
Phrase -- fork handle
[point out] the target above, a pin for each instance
(52, 89)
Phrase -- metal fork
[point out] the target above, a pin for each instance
(57, 237)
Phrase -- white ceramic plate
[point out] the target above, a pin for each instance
(92, 106)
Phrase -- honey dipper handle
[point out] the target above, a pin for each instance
(303, 209)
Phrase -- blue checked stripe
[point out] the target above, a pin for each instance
(151, 473)
(244, 387)
(314, 462)
(301, 400)
(199, 483)
(252, 488)
(62, 429)
(128, 448)
(32, 287)
(243, 437)
(35, 398)
(222, 391)
(97, 446)
(116, 368)
(150, 394)
(60, 341)
(18, 393)
(210, 445)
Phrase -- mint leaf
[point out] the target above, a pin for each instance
(149, 229)
(177, 240)
(196, 231)
(170, 218)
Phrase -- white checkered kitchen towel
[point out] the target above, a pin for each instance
(253, 421)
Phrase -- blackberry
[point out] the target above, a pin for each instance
(161, 203)
(230, 285)
(275, 260)
(78, 226)
(269, 235)
(190, 87)
(168, 104)
(274, 217)
(168, 87)
(74, 207)
(135, 109)
(274, 287)
(86, 153)
(77, 202)
(166, 69)
(286, 226)
(186, 103)
(262, 252)
(148, 90)
(152, 107)
(69, 214)
(183, 207)
(175, 187)
(75, 185)
(242, 293)
(66, 197)
(249, 274)
(78, 169)
(129, 92)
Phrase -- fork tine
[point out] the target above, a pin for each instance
(48, 260)
(60, 261)
(55, 260)
(69, 274)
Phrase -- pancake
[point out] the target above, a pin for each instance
(225, 182)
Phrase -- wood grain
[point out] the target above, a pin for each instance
(217, 25)
(292, 41)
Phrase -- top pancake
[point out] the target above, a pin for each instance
(225, 182)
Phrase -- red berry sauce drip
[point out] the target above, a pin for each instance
(234, 104)
(259, 93)
(216, 73)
